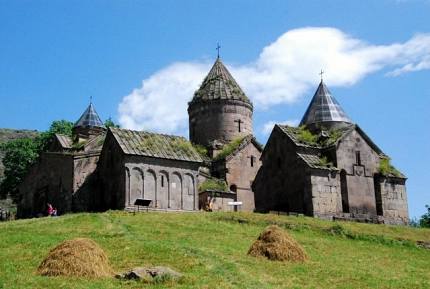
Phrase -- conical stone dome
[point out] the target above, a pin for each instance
(88, 125)
(219, 84)
(324, 110)
(219, 111)
(89, 118)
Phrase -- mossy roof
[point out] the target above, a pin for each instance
(333, 136)
(233, 148)
(155, 145)
(219, 84)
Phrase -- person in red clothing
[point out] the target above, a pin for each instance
(50, 209)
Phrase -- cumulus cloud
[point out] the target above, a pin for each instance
(268, 126)
(285, 70)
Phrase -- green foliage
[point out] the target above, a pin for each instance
(213, 184)
(324, 162)
(182, 145)
(425, 219)
(63, 127)
(19, 155)
(202, 150)
(229, 148)
(334, 135)
(110, 123)
(386, 169)
(306, 136)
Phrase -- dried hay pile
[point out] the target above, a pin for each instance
(275, 244)
(78, 257)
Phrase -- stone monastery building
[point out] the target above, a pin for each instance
(328, 167)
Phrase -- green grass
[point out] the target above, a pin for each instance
(210, 250)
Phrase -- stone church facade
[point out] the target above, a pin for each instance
(329, 168)
(100, 168)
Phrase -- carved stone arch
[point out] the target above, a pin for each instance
(176, 191)
(136, 184)
(188, 196)
(163, 191)
(150, 187)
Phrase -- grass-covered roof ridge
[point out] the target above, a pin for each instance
(387, 169)
(302, 135)
(229, 148)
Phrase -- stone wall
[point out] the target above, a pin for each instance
(394, 204)
(85, 182)
(280, 182)
(326, 196)
(50, 180)
(218, 200)
(240, 174)
(219, 120)
(359, 176)
(169, 184)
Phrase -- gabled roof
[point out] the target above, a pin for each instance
(64, 140)
(89, 118)
(315, 162)
(294, 133)
(219, 84)
(243, 143)
(148, 144)
(324, 108)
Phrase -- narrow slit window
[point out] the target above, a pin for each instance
(358, 158)
(162, 181)
(252, 161)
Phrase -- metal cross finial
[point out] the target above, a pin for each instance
(217, 48)
(321, 74)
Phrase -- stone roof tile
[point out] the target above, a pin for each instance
(155, 145)
(219, 84)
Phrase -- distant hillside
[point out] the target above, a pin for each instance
(12, 134)
(210, 249)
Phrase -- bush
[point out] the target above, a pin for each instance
(425, 219)
(386, 169)
(213, 184)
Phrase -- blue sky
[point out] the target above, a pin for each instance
(141, 61)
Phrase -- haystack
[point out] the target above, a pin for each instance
(78, 257)
(275, 244)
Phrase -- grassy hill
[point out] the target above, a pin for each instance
(210, 249)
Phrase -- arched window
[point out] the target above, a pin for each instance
(233, 188)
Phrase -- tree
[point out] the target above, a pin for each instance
(109, 123)
(57, 126)
(20, 154)
(425, 219)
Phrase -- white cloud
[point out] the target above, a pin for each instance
(268, 126)
(161, 103)
(285, 70)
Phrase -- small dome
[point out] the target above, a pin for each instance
(324, 108)
(89, 119)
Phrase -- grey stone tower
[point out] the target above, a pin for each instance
(219, 111)
(324, 112)
(88, 125)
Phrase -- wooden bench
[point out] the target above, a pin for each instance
(142, 203)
